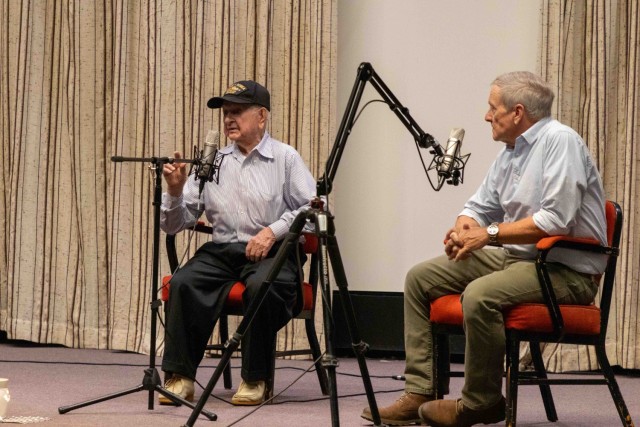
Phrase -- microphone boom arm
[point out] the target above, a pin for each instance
(366, 73)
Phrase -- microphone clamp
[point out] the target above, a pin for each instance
(199, 164)
(455, 173)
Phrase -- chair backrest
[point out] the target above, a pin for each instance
(614, 231)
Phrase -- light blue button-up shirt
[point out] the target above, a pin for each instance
(266, 188)
(548, 175)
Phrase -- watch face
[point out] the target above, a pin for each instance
(493, 230)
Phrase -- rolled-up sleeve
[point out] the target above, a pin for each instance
(484, 206)
(178, 213)
(564, 182)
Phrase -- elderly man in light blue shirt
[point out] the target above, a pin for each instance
(542, 183)
(262, 185)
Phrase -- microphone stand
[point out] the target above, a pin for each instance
(151, 380)
(328, 251)
(366, 73)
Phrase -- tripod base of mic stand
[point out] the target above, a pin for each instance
(150, 382)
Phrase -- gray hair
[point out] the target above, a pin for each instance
(528, 89)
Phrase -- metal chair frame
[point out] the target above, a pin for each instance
(555, 332)
(308, 315)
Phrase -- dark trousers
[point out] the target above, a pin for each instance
(196, 299)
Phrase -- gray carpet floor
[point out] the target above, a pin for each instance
(44, 378)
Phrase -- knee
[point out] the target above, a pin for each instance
(412, 278)
(417, 282)
(177, 285)
(252, 289)
(476, 302)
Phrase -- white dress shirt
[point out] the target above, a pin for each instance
(266, 188)
(549, 175)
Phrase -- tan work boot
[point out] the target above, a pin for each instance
(250, 393)
(453, 413)
(180, 386)
(402, 412)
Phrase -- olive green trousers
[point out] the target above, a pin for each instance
(489, 281)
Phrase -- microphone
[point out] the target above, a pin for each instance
(452, 154)
(206, 169)
(205, 172)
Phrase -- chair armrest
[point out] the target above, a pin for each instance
(546, 245)
(577, 243)
(170, 243)
(201, 227)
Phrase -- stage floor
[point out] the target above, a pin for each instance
(43, 378)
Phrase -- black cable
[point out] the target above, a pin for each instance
(326, 171)
(134, 365)
(281, 391)
(50, 362)
(54, 362)
(339, 397)
(355, 119)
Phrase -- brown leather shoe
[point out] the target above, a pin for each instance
(402, 412)
(453, 413)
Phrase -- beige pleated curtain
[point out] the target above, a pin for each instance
(82, 81)
(590, 50)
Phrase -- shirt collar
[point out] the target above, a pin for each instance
(531, 135)
(264, 147)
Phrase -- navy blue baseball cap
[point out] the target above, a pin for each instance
(243, 92)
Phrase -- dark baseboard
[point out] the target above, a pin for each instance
(380, 323)
(379, 318)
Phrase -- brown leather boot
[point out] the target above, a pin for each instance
(453, 413)
(402, 412)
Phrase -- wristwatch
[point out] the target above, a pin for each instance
(493, 231)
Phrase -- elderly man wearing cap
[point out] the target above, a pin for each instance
(263, 184)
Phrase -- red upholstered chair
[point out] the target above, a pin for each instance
(233, 306)
(540, 323)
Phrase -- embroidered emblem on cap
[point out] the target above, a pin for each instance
(236, 89)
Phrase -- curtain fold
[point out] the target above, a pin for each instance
(590, 51)
(83, 81)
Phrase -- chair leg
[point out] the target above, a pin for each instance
(223, 330)
(441, 364)
(621, 406)
(310, 328)
(545, 390)
(272, 371)
(513, 355)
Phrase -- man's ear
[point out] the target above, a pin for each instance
(263, 116)
(520, 113)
